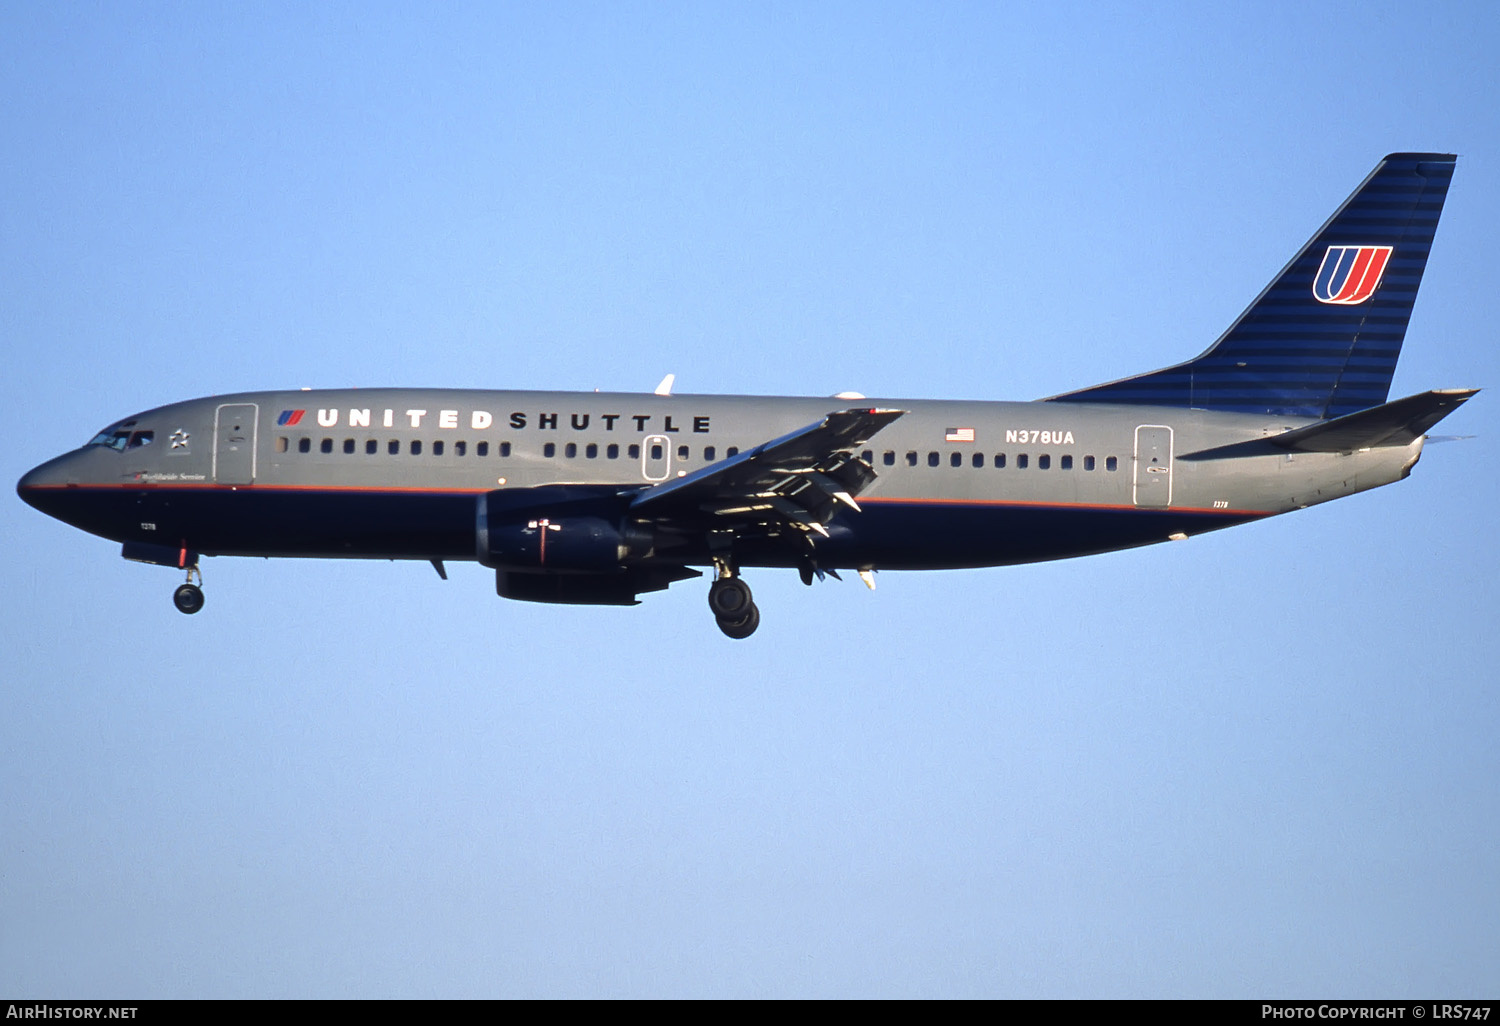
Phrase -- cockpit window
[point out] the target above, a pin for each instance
(116, 440)
(120, 437)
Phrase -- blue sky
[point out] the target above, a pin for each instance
(1260, 763)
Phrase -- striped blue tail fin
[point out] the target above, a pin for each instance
(1323, 338)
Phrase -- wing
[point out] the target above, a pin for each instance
(795, 483)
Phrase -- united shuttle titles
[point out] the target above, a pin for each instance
(483, 420)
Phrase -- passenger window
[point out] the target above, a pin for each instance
(460, 448)
(437, 448)
(481, 448)
(868, 457)
(1044, 462)
(504, 449)
(911, 459)
(416, 448)
(999, 461)
(612, 451)
(281, 443)
(591, 450)
(708, 453)
(978, 460)
(656, 450)
(1088, 463)
(733, 450)
(682, 452)
(1020, 461)
(348, 447)
(634, 451)
(549, 450)
(1067, 463)
(571, 450)
(393, 447)
(956, 459)
(889, 458)
(932, 459)
(1110, 463)
(304, 445)
(326, 445)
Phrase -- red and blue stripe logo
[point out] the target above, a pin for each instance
(290, 418)
(1349, 274)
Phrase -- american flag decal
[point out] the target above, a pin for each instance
(959, 435)
(1349, 274)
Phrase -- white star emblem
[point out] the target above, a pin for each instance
(179, 439)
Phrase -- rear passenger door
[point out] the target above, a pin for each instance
(1153, 466)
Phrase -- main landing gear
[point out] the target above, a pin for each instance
(732, 605)
(188, 598)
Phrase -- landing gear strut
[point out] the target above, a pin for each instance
(188, 598)
(732, 605)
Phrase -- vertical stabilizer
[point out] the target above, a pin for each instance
(1322, 340)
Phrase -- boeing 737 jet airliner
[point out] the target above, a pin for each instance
(587, 497)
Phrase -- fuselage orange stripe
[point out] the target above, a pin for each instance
(874, 500)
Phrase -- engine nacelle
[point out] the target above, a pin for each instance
(568, 534)
(568, 543)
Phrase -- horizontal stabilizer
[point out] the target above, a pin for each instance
(1397, 423)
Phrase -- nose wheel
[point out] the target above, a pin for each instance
(188, 598)
(733, 607)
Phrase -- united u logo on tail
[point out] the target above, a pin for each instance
(1349, 274)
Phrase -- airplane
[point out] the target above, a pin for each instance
(599, 498)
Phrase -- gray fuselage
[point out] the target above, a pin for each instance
(394, 472)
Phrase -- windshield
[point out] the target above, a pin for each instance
(119, 437)
(112, 439)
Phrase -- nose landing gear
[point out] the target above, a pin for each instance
(188, 598)
(732, 605)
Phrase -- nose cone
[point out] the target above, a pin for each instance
(42, 483)
(27, 487)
